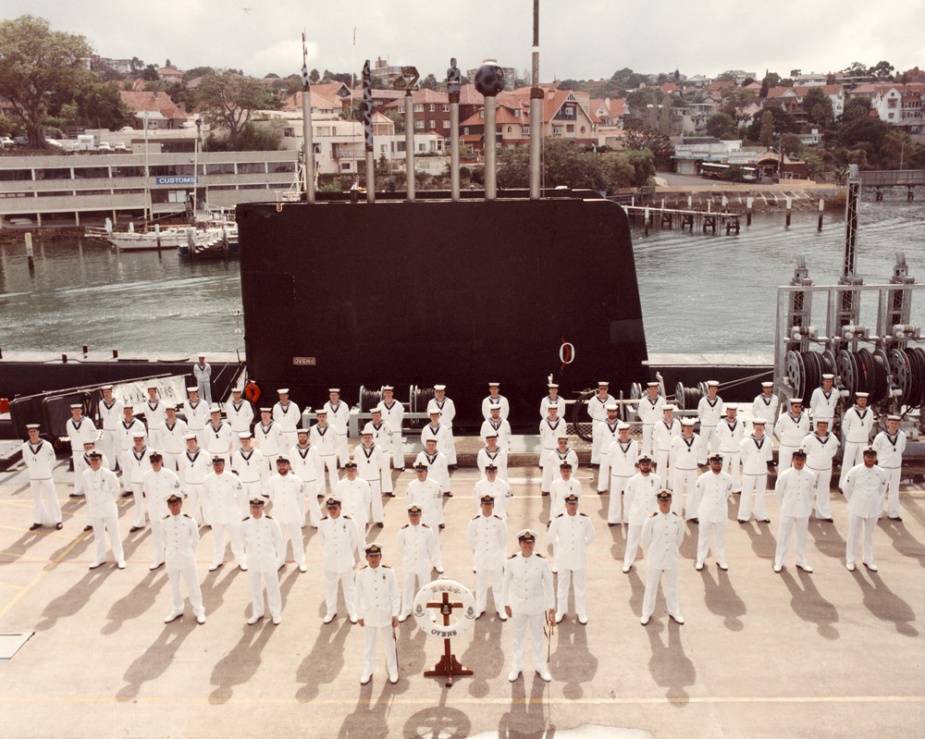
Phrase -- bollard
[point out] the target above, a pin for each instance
(710, 205)
(724, 201)
(115, 353)
(789, 205)
(690, 202)
(748, 211)
(29, 254)
(85, 349)
(64, 359)
(645, 221)
(821, 206)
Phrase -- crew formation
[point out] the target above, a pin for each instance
(225, 470)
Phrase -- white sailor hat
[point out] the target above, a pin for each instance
(283, 391)
(553, 407)
(266, 410)
(201, 355)
(439, 387)
(334, 390)
(153, 386)
(767, 384)
(712, 383)
(622, 426)
(562, 435)
(862, 395)
(894, 418)
(190, 436)
(826, 421)
(245, 435)
(33, 426)
(603, 383)
(526, 535)
(107, 387)
(651, 384)
(553, 384)
(139, 435)
(170, 406)
(494, 384)
(303, 431)
(236, 390)
(368, 430)
(758, 421)
(214, 409)
(491, 435)
(796, 401)
(828, 377)
(688, 422)
(495, 408)
(387, 387)
(321, 412)
(732, 406)
(611, 407)
(192, 389)
(668, 407)
(77, 405)
(375, 409)
(434, 411)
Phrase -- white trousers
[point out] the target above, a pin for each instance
(171, 461)
(550, 473)
(313, 488)
(451, 452)
(270, 579)
(732, 465)
(139, 496)
(218, 542)
(523, 623)
(784, 457)
(718, 531)
(682, 480)
(852, 454)
(101, 528)
(413, 579)
(46, 509)
(345, 578)
(615, 509)
(340, 443)
(195, 505)
(372, 633)
(79, 467)
(892, 502)
(157, 539)
(375, 501)
(385, 476)
(566, 577)
(112, 447)
(485, 577)
(398, 453)
(292, 531)
(759, 485)
(329, 462)
(708, 434)
(823, 482)
(205, 391)
(787, 526)
(249, 489)
(855, 526)
(647, 438)
(192, 587)
(653, 575)
(633, 533)
(661, 466)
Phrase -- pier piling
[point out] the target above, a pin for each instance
(821, 206)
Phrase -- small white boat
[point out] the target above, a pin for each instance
(170, 237)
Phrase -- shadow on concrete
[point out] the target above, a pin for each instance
(618, 537)
(809, 605)
(370, 718)
(484, 657)
(325, 661)
(572, 663)
(137, 602)
(155, 660)
(721, 598)
(884, 603)
(242, 662)
(439, 721)
(637, 587)
(527, 714)
(213, 588)
(669, 665)
(903, 542)
(826, 537)
(72, 600)
(19, 547)
(764, 543)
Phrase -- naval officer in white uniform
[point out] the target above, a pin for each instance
(662, 535)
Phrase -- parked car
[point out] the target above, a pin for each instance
(104, 147)
(5, 142)
(21, 141)
(120, 147)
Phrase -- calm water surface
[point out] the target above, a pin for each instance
(699, 293)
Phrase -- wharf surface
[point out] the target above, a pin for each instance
(822, 655)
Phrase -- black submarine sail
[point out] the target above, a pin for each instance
(411, 289)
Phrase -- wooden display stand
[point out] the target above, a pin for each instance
(448, 666)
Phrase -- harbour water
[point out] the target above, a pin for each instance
(700, 293)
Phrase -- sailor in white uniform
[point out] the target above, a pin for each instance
(181, 535)
(607, 430)
(713, 489)
(368, 458)
(425, 493)
(710, 410)
(552, 399)
(621, 459)
(497, 425)
(323, 438)
(487, 534)
(382, 438)
(110, 414)
(252, 469)
(529, 602)
(378, 603)
(338, 413)
(79, 429)
(688, 452)
(857, 427)
(662, 535)
(729, 435)
(196, 412)
(890, 446)
(791, 428)
(218, 434)
(565, 486)
(415, 545)
(202, 373)
(439, 433)
(447, 409)
(823, 404)
(666, 428)
(287, 415)
(222, 490)
(240, 414)
(128, 427)
(393, 413)
(495, 400)
(193, 466)
(650, 412)
(155, 411)
(340, 542)
(765, 405)
(102, 489)
(158, 484)
(305, 462)
(264, 547)
(821, 447)
(756, 453)
(287, 494)
(492, 485)
(597, 409)
(39, 458)
(173, 437)
(795, 491)
(640, 503)
(865, 491)
(137, 465)
(494, 455)
(571, 534)
(269, 438)
(551, 428)
(354, 495)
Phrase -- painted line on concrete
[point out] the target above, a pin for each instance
(429, 701)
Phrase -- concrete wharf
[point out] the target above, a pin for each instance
(703, 220)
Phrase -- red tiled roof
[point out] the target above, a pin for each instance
(153, 102)
(319, 101)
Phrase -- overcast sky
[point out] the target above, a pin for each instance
(581, 39)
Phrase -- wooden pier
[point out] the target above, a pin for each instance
(879, 179)
(703, 220)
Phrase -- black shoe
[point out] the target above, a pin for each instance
(399, 469)
(443, 526)
(545, 494)
(88, 528)
(35, 526)
(127, 494)
(388, 495)
(135, 528)
(896, 518)
(380, 524)
(59, 526)
(448, 494)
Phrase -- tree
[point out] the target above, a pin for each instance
(149, 73)
(191, 74)
(136, 64)
(895, 150)
(766, 135)
(856, 107)
(314, 77)
(429, 82)
(791, 144)
(627, 169)
(882, 70)
(35, 63)
(566, 164)
(93, 104)
(783, 123)
(639, 136)
(818, 107)
(722, 126)
(735, 101)
(230, 101)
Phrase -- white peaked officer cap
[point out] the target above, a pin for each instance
(526, 535)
